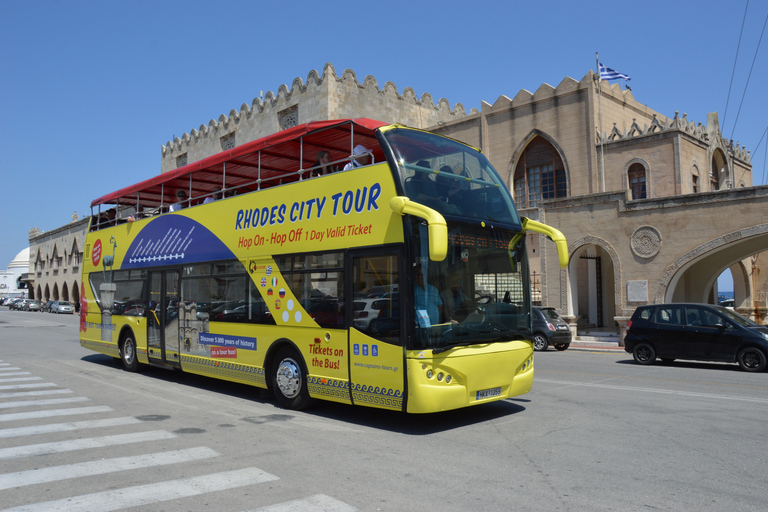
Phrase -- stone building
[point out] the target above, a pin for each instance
(55, 259)
(654, 208)
(322, 97)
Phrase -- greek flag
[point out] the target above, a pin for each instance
(607, 73)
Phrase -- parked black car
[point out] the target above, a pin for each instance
(701, 332)
(549, 329)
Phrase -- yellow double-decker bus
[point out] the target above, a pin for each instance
(351, 261)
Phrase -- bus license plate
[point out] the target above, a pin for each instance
(487, 393)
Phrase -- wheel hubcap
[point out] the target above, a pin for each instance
(288, 378)
(128, 352)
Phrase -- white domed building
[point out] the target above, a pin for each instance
(11, 283)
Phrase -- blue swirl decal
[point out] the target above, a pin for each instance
(174, 239)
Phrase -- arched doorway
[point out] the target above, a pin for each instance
(76, 296)
(594, 290)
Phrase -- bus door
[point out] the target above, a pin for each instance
(376, 334)
(163, 317)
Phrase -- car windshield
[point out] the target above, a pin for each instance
(735, 317)
(451, 178)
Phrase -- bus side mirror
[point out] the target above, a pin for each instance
(437, 228)
(553, 234)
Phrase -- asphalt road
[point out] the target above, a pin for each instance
(597, 432)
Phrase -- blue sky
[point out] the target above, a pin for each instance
(90, 91)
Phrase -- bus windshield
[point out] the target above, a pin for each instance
(479, 294)
(452, 178)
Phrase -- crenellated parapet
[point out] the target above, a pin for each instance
(320, 97)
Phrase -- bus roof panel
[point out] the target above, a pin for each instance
(278, 155)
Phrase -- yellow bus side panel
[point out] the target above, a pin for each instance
(498, 371)
(377, 372)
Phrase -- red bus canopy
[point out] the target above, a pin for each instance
(255, 165)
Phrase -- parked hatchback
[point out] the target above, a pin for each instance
(62, 306)
(700, 332)
(549, 329)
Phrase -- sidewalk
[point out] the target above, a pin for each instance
(604, 340)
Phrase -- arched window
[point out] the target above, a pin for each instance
(540, 174)
(695, 179)
(636, 178)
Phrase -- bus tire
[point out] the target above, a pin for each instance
(128, 356)
(289, 379)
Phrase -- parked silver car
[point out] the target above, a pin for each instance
(62, 306)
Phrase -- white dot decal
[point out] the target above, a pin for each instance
(298, 316)
(286, 316)
(289, 304)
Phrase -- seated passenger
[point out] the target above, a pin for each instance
(322, 164)
(215, 196)
(182, 197)
(361, 157)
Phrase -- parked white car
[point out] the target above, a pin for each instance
(62, 306)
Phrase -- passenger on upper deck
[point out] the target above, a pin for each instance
(214, 196)
(182, 197)
(361, 157)
(322, 164)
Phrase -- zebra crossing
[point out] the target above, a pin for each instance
(19, 390)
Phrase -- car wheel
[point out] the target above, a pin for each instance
(289, 380)
(561, 346)
(540, 342)
(752, 359)
(644, 353)
(128, 353)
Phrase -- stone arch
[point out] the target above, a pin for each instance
(692, 275)
(518, 153)
(55, 291)
(611, 288)
(39, 293)
(64, 291)
(648, 181)
(47, 292)
(75, 295)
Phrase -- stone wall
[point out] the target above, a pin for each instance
(320, 98)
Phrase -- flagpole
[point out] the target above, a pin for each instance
(600, 114)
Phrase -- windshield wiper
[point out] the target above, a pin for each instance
(467, 343)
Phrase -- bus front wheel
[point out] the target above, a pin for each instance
(289, 380)
(128, 353)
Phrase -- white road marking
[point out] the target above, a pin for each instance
(52, 401)
(148, 494)
(54, 412)
(66, 427)
(21, 379)
(103, 466)
(17, 452)
(28, 386)
(42, 392)
(316, 503)
(652, 390)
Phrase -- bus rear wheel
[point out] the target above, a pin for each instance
(289, 380)
(128, 353)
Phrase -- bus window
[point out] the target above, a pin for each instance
(317, 282)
